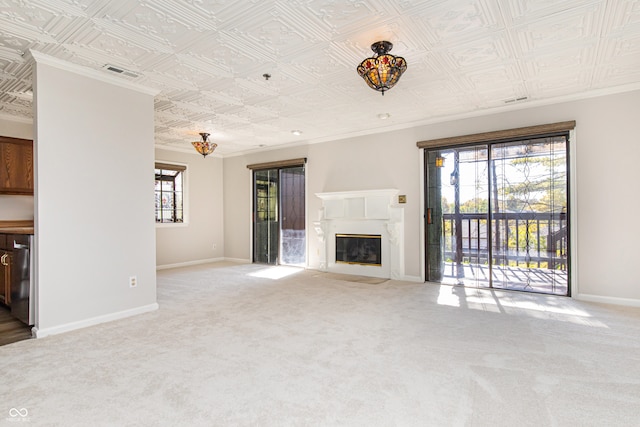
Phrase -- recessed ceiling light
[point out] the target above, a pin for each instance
(296, 132)
(384, 116)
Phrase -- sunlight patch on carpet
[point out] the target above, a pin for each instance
(275, 273)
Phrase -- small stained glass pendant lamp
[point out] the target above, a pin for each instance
(383, 70)
(204, 147)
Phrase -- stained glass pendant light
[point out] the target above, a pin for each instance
(204, 147)
(383, 70)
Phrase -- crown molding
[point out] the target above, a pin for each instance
(17, 119)
(596, 93)
(482, 112)
(40, 58)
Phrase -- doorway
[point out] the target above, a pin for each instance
(279, 223)
(497, 215)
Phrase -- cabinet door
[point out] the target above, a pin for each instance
(16, 166)
(5, 277)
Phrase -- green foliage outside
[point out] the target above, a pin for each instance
(534, 184)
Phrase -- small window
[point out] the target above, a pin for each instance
(169, 193)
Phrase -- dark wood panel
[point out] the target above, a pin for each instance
(11, 329)
(278, 164)
(6, 241)
(171, 167)
(499, 135)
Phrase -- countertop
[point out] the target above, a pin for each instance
(16, 227)
(16, 230)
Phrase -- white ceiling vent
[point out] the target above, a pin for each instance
(120, 70)
(522, 98)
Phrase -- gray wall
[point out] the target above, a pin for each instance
(94, 199)
(193, 241)
(605, 149)
(237, 198)
(77, 144)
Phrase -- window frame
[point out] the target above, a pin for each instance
(182, 167)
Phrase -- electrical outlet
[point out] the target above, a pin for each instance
(133, 281)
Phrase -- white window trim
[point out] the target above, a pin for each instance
(185, 196)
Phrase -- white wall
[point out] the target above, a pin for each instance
(13, 207)
(94, 199)
(193, 242)
(606, 149)
(16, 207)
(16, 128)
(345, 165)
(237, 198)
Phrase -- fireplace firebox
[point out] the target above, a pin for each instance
(364, 249)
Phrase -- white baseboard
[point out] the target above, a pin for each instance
(238, 260)
(630, 302)
(188, 263)
(412, 279)
(41, 333)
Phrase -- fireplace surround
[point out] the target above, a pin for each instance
(362, 213)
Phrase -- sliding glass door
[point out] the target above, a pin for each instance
(496, 215)
(457, 215)
(279, 216)
(529, 219)
(266, 225)
(293, 241)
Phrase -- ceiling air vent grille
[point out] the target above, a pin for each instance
(119, 70)
(511, 101)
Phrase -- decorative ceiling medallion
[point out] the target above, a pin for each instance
(383, 70)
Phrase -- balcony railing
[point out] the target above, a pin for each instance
(530, 239)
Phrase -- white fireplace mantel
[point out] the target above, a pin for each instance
(362, 212)
(363, 204)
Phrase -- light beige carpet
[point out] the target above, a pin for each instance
(248, 345)
(351, 278)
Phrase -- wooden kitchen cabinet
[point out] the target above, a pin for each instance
(5, 277)
(16, 166)
(5, 269)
